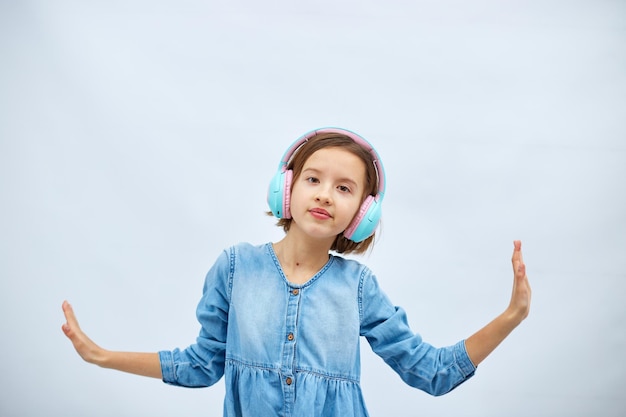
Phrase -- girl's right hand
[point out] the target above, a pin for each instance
(146, 364)
(85, 347)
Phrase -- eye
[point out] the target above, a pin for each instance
(312, 180)
(344, 189)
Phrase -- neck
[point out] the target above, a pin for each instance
(301, 258)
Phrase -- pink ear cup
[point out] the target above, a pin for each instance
(287, 195)
(359, 217)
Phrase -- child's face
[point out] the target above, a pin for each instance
(328, 192)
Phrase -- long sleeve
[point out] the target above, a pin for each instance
(202, 364)
(419, 364)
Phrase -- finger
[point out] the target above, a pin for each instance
(70, 317)
(516, 253)
(517, 259)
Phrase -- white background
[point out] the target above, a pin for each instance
(137, 140)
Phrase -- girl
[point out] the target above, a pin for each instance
(282, 321)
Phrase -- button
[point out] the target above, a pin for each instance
(288, 381)
(295, 291)
(290, 337)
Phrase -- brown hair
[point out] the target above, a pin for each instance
(326, 140)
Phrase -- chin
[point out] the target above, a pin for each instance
(321, 235)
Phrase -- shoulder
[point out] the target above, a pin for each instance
(230, 256)
(246, 246)
(245, 249)
(245, 256)
(351, 268)
(241, 256)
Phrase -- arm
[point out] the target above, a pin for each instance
(483, 342)
(145, 364)
(200, 365)
(419, 364)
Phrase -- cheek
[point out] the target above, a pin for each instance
(352, 208)
(296, 191)
(356, 207)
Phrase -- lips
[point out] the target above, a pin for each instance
(320, 213)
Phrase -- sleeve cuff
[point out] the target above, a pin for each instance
(167, 367)
(463, 360)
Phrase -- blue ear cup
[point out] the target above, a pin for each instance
(367, 218)
(279, 193)
(275, 194)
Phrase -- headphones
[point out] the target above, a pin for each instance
(367, 218)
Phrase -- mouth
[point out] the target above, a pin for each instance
(320, 213)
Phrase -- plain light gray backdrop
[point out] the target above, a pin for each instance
(137, 140)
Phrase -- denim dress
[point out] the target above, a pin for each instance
(293, 350)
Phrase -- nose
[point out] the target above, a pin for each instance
(323, 196)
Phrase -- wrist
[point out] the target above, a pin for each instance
(101, 357)
(512, 317)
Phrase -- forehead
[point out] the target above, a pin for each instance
(338, 161)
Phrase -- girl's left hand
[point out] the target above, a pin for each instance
(484, 341)
(519, 306)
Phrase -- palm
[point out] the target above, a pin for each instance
(85, 347)
(520, 299)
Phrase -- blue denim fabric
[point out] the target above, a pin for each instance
(293, 350)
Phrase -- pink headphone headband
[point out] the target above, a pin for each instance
(380, 171)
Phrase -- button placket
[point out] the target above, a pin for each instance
(289, 348)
